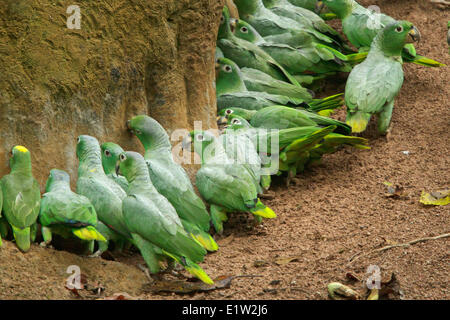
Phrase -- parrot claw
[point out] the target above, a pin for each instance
(96, 254)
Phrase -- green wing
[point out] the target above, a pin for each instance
(21, 200)
(68, 208)
(153, 221)
(173, 183)
(256, 80)
(102, 193)
(252, 100)
(372, 84)
(228, 186)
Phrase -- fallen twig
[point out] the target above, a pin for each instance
(406, 244)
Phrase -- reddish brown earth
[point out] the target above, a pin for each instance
(329, 220)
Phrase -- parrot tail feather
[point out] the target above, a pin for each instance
(263, 211)
(191, 267)
(427, 62)
(206, 240)
(88, 233)
(358, 121)
(22, 237)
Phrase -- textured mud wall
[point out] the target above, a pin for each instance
(129, 57)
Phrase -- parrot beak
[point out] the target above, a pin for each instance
(129, 125)
(233, 23)
(319, 7)
(221, 120)
(217, 68)
(414, 34)
(186, 143)
(118, 167)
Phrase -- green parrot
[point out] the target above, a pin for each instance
(242, 151)
(373, 85)
(267, 22)
(66, 213)
(21, 197)
(302, 16)
(247, 54)
(293, 146)
(105, 195)
(312, 6)
(280, 117)
(226, 185)
(296, 52)
(110, 156)
(231, 91)
(171, 180)
(298, 147)
(153, 221)
(362, 25)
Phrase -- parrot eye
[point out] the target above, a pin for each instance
(399, 29)
(227, 69)
(123, 157)
(107, 153)
(236, 121)
(137, 131)
(200, 137)
(244, 30)
(229, 111)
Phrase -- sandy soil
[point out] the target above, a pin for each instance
(327, 221)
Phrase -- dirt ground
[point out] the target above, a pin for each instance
(328, 222)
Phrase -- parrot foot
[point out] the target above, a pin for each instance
(96, 254)
(269, 195)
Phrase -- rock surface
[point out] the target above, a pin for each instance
(128, 58)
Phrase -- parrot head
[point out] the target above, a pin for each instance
(84, 144)
(229, 77)
(200, 139)
(20, 158)
(340, 7)
(245, 31)
(57, 175)
(129, 163)
(236, 122)
(148, 131)
(395, 35)
(110, 155)
(224, 28)
(224, 114)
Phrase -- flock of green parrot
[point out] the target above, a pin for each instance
(263, 59)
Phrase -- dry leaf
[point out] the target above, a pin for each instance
(336, 289)
(373, 295)
(393, 191)
(436, 198)
(260, 263)
(286, 260)
(350, 276)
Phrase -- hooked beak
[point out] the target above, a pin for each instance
(217, 68)
(129, 126)
(186, 143)
(414, 34)
(319, 7)
(221, 120)
(233, 23)
(118, 168)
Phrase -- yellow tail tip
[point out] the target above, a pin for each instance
(206, 241)
(265, 213)
(358, 125)
(88, 234)
(199, 273)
